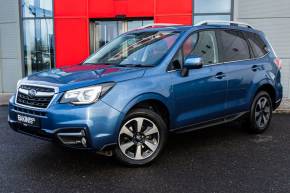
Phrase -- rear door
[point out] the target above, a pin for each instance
(236, 55)
(200, 96)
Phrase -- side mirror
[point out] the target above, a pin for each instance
(191, 62)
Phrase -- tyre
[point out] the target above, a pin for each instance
(141, 138)
(260, 115)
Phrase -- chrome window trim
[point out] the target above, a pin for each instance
(37, 85)
(173, 70)
(250, 59)
(208, 65)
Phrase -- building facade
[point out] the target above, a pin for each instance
(10, 46)
(37, 35)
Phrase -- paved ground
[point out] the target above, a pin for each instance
(219, 159)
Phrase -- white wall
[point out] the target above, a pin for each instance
(273, 18)
(10, 46)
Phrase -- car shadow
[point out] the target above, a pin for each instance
(179, 146)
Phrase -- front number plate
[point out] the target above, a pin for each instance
(28, 120)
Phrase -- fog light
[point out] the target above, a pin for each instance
(84, 142)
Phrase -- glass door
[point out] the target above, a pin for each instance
(102, 32)
(38, 35)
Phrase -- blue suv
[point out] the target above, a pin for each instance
(127, 97)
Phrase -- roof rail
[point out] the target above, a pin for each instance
(232, 23)
(155, 25)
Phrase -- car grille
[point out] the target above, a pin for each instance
(29, 111)
(40, 97)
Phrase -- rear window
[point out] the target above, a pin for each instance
(258, 46)
(234, 46)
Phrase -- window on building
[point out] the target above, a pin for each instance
(38, 36)
(234, 46)
(102, 32)
(135, 24)
(212, 10)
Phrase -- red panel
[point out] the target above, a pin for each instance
(72, 19)
(71, 37)
(174, 6)
(68, 8)
(177, 19)
(137, 8)
(121, 7)
(101, 8)
(175, 11)
(111, 8)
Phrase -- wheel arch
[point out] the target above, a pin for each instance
(153, 101)
(269, 88)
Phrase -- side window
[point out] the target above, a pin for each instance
(176, 62)
(258, 46)
(202, 44)
(234, 46)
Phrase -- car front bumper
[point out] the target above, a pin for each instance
(98, 123)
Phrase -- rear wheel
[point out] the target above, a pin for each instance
(261, 113)
(141, 137)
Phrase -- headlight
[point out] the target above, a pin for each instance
(18, 83)
(86, 95)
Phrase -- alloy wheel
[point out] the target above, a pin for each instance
(139, 138)
(262, 112)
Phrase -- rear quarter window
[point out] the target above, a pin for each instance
(257, 44)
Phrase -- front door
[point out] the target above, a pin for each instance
(200, 96)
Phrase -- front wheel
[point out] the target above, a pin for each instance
(261, 113)
(141, 137)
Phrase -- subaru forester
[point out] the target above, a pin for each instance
(125, 98)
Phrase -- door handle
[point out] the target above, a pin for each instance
(220, 75)
(255, 68)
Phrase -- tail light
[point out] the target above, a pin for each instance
(278, 63)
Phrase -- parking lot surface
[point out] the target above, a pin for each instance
(217, 159)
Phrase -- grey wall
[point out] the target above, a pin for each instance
(273, 18)
(10, 46)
